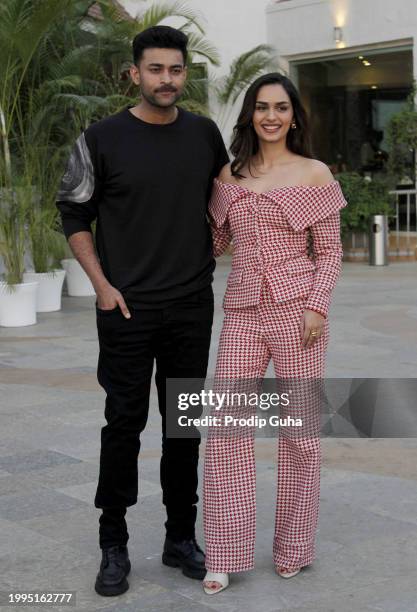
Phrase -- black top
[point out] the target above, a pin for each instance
(148, 186)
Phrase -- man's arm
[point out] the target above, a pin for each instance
(108, 297)
(77, 201)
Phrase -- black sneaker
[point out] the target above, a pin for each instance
(114, 567)
(185, 554)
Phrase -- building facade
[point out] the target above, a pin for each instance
(354, 64)
(352, 61)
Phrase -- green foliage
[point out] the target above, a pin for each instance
(14, 207)
(60, 70)
(24, 26)
(113, 37)
(156, 13)
(243, 71)
(402, 140)
(47, 243)
(365, 198)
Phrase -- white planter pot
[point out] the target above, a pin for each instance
(49, 290)
(18, 307)
(78, 283)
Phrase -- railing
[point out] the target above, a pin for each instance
(405, 227)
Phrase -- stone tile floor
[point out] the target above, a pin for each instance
(51, 411)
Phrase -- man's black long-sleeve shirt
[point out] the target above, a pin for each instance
(148, 186)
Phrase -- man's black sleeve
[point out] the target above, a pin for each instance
(222, 158)
(78, 194)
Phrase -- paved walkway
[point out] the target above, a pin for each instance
(51, 411)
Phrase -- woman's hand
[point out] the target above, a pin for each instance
(311, 327)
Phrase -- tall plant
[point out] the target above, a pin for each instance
(14, 206)
(23, 26)
(113, 38)
(45, 240)
(402, 140)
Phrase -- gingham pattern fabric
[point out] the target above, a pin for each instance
(270, 238)
(250, 337)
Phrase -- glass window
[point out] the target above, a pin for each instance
(350, 99)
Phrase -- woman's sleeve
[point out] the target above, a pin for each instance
(218, 209)
(328, 252)
(222, 237)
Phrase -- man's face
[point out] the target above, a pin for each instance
(161, 75)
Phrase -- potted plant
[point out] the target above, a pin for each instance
(366, 197)
(17, 297)
(47, 248)
(45, 240)
(29, 23)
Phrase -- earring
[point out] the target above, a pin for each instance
(294, 125)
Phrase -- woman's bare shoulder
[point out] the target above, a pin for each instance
(319, 172)
(225, 175)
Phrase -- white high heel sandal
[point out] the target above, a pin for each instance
(221, 578)
(288, 574)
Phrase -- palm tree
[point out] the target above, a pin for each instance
(23, 25)
(243, 70)
(61, 69)
(113, 38)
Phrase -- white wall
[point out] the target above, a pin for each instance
(232, 26)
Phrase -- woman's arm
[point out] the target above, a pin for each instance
(327, 250)
(222, 236)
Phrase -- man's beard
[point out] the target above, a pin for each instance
(153, 101)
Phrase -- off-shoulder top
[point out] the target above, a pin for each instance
(302, 205)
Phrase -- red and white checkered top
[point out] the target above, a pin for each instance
(270, 238)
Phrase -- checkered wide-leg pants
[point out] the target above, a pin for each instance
(250, 337)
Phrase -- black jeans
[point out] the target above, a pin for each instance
(178, 338)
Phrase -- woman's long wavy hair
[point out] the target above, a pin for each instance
(245, 142)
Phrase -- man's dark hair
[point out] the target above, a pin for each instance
(159, 37)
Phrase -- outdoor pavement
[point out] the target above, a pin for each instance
(51, 411)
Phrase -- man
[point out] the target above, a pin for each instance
(146, 174)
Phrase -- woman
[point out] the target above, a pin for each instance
(269, 201)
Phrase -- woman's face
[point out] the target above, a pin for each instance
(273, 113)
